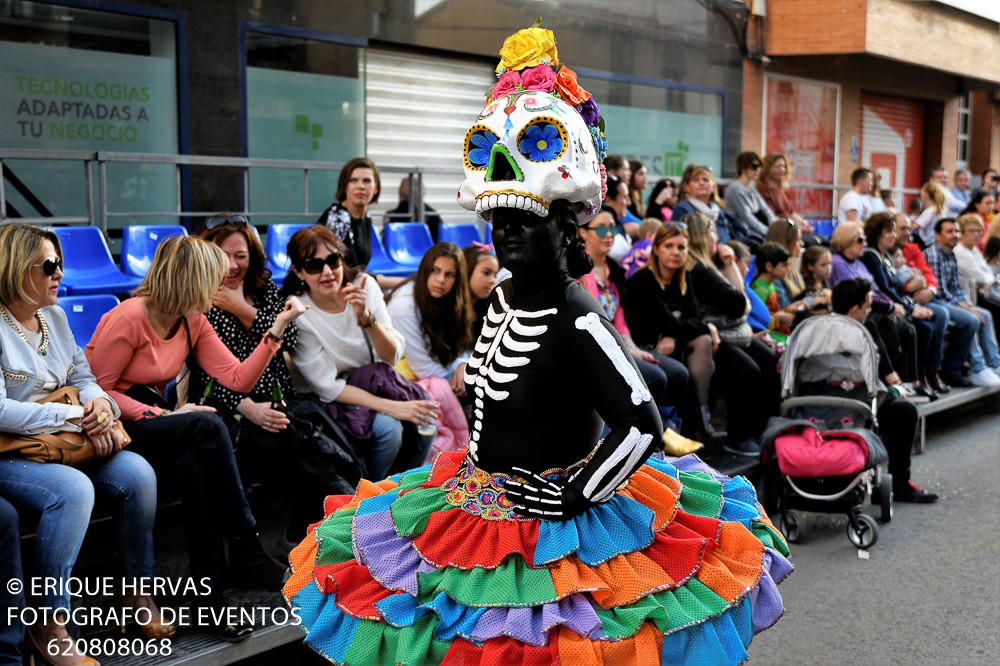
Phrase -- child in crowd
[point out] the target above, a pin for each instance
(903, 272)
(759, 316)
(817, 263)
(639, 256)
(772, 265)
(484, 273)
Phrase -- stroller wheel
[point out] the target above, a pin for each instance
(885, 497)
(793, 526)
(865, 534)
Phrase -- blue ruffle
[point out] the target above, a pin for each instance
(620, 525)
(720, 640)
(332, 629)
(739, 502)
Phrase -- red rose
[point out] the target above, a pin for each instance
(540, 78)
(507, 85)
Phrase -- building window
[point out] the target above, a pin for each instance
(964, 123)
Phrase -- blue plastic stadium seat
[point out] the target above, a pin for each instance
(461, 233)
(84, 313)
(381, 264)
(406, 242)
(139, 243)
(89, 268)
(278, 236)
(824, 228)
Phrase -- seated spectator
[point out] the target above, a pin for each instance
(989, 182)
(953, 205)
(746, 209)
(662, 200)
(792, 294)
(875, 198)
(617, 200)
(973, 270)
(348, 327)
(699, 194)
(772, 265)
(817, 264)
(961, 189)
(980, 205)
(639, 256)
(433, 311)
(666, 378)
(973, 326)
(636, 186)
(929, 323)
(759, 316)
(663, 316)
(138, 348)
(854, 204)
(482, 266)
(897, 418)
(773, 185)
(39, 357)
(619, 167)
(11, 633)
(244, 308)
(933, 207)
(401, 213)
(740, 360)
(888, 201)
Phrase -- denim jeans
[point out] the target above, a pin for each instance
(197, 451)
(386, 450)
(11, 633)
(987, 337)
(63, 497)
(962, 345)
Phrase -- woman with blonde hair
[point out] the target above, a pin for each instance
(698, 193)
(934, 201)
(40, 356)
(137, 349)
(773, 184)
(663, 315)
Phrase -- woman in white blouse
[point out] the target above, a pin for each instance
(433, 311)
(346, 327)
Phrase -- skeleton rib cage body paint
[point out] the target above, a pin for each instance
(547, 372)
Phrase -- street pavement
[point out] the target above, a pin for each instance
(930, 591)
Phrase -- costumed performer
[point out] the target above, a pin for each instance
(542, 543)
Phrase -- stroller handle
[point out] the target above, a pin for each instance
(826, 401)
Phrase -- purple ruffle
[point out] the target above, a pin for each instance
(692, 463)
(530, 625)
(765, 600)
(391, 559)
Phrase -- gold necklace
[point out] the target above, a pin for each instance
(44, 346)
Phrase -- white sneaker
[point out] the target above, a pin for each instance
(996, 370)
(984, 377)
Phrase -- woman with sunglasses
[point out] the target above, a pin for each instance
(39, 355)
(433, 311)
(663, 316)
(243, 309)
(666, 378)
(137, 349)
(699, 194)
(748, 213)
(347, 327)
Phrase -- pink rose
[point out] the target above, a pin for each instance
(507, 85)
(540, 78)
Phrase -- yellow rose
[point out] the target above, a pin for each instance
(527, 48)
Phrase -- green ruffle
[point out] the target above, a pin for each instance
(414, 479)
(511, 584)
(411, 511)
(769, 537)
(701, 494)
(380, 643)
(333, 538)
(669, 610)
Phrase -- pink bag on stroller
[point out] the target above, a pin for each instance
(807, 452)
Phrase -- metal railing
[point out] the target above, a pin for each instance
(98, 212)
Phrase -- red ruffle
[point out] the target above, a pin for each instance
(459, 539)
(354, 589)
(503, 651)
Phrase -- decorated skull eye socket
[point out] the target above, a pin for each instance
(479, 142)
(544, 139)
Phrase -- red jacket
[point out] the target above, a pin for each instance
(915, 259)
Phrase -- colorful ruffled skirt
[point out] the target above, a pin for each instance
(679, 566)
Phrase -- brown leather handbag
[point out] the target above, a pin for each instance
(67, 448)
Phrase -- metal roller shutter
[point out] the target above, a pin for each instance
(892, 142)
(418, 109)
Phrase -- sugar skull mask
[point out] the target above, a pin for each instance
(527, 150)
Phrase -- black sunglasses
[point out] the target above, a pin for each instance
(219, 220)
(315, 265)
(50, 266)
(755, 165)
(605, 230)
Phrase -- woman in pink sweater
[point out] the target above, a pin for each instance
(137, 349)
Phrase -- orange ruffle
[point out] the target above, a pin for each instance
(654, 490)
(639, 650)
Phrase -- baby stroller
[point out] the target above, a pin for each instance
(822, 454)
